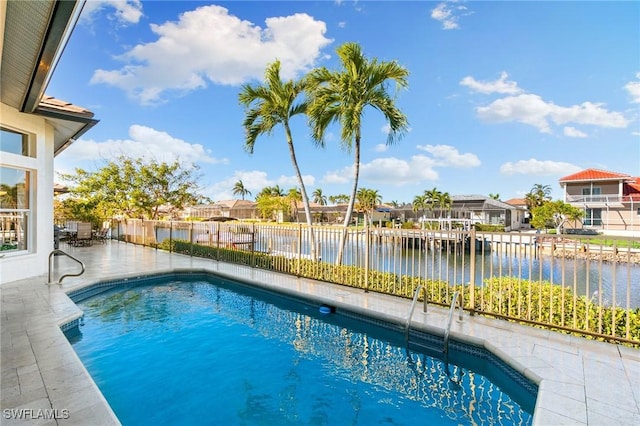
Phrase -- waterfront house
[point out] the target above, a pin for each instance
(34, 129)
(610, 200)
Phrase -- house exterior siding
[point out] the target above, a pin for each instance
(610, 200)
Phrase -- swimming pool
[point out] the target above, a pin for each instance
(201, 349)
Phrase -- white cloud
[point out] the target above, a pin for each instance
(386, 129)
(390, 170)
(633, 87)
(210, 45)
(144, 142)
(538, 168)
(448, 156)
(381, 147)
(342, 24)
(572, 132)
(501, 85)
(448, 13)
(533, 110)
(125, 11)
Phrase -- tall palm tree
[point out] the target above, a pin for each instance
(240, 189)
(319, 197)
(269, 105)
(341, 97)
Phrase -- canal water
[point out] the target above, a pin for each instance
(604, 282)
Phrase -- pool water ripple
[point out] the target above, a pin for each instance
(193, 352)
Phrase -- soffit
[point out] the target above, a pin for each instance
(26, 26)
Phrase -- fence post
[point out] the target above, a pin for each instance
(191, 240)
(299, 249)
(253, 243)
(170, 236)
(218, 225)
(472, 271)
(144, 233)
(366, 256)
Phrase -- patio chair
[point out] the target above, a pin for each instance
(101, 235)
(84, 235)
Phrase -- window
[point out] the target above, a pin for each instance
(14, 208)
(593, 217)
(638, 211)
(15, 143)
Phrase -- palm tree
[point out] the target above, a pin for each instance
(341, 96)
(240, 189)
(444, 202)
(538, 195)
(319, 197)
(494, 196)
(338, 199)
(269, 105)
(419, 204)
(431, 198)
(367, 201)
(294, 196)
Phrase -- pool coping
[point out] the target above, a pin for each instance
(579, 381)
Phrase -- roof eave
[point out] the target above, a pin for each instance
(63, 19)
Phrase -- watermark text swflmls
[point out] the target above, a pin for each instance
(33, 414)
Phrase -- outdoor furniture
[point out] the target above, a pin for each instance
(101, 235)
(83, 235)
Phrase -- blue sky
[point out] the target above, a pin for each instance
(501, 95)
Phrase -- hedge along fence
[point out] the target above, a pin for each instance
(539, 303)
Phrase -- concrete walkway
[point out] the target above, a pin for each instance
(44, 382)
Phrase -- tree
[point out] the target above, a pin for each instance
(432, 198)
(555, 214)
(294, 196)
(339, 199)
(269, 205)
(240, 189)
(367, 201)
(341, 97)
(273, 191)
(444, 202)
(319, 197)
(269, 105)
(537, 196)
(494, 196)
(135, 188)
(419, 204)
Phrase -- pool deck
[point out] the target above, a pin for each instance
(580, 381)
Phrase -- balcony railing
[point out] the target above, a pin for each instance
(597, 199)
(570, 282)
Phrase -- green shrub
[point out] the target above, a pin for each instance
(516, 299)
(489, 228)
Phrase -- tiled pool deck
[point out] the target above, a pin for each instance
(580, 381)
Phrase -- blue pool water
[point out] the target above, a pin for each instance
(195, 351)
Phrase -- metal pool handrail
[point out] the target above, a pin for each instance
(57, 251)
(456, 297)
(413, 306)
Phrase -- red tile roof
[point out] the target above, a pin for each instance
(595, 174)
(56, 104)
(517, 202)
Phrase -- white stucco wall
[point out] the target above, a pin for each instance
(20, 265)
